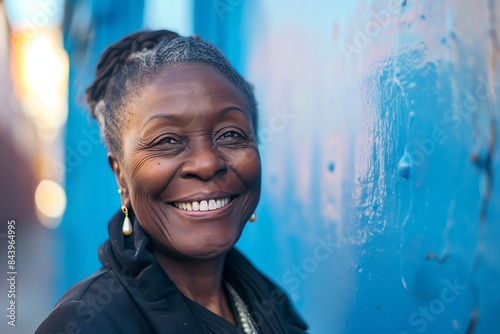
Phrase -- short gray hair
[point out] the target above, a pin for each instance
(136, 60)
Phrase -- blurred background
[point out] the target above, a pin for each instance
(380, 210)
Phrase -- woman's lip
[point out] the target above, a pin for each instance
(204, 213)
(203, 197)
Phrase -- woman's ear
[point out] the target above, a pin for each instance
(121, 180)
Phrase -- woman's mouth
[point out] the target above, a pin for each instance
(204, 205)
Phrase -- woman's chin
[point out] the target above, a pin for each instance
(200, 247)
(206, 250)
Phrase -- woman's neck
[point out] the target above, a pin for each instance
(200, 281)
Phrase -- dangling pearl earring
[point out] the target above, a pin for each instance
(127, 225)
(253, 218)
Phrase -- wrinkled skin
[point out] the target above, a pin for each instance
(189, 137)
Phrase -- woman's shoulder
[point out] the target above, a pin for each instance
(98, 304)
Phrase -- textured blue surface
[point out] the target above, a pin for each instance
(380, 207)
(378, 184)
(90, 185)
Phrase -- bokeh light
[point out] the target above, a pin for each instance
(50, 200)
(43, 71)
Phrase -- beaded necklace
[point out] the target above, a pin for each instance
(246, 320)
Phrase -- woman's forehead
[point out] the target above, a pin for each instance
(189, 81)
(188, 89)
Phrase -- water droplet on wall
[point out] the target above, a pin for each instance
(331, 166)
(405, 166)
(481, 158)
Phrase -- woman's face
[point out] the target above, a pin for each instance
(190, 167)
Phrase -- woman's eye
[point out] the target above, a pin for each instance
(231, 134)
(168, 140)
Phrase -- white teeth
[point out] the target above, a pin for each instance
(205, 205)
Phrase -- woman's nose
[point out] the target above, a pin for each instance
(204, 162)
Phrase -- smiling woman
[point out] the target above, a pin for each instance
(179, 124)
(190, 141)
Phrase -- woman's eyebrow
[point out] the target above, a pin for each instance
(224, 111)
(172, 118)
(176, 119)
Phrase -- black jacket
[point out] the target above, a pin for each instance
(133, 294)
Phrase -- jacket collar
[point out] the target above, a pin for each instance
(163, 304)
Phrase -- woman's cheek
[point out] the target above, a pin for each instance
(248, 166)
(151, 174)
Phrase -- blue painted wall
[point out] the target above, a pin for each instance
(380, 204)
(90, 26)
(378, 129)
